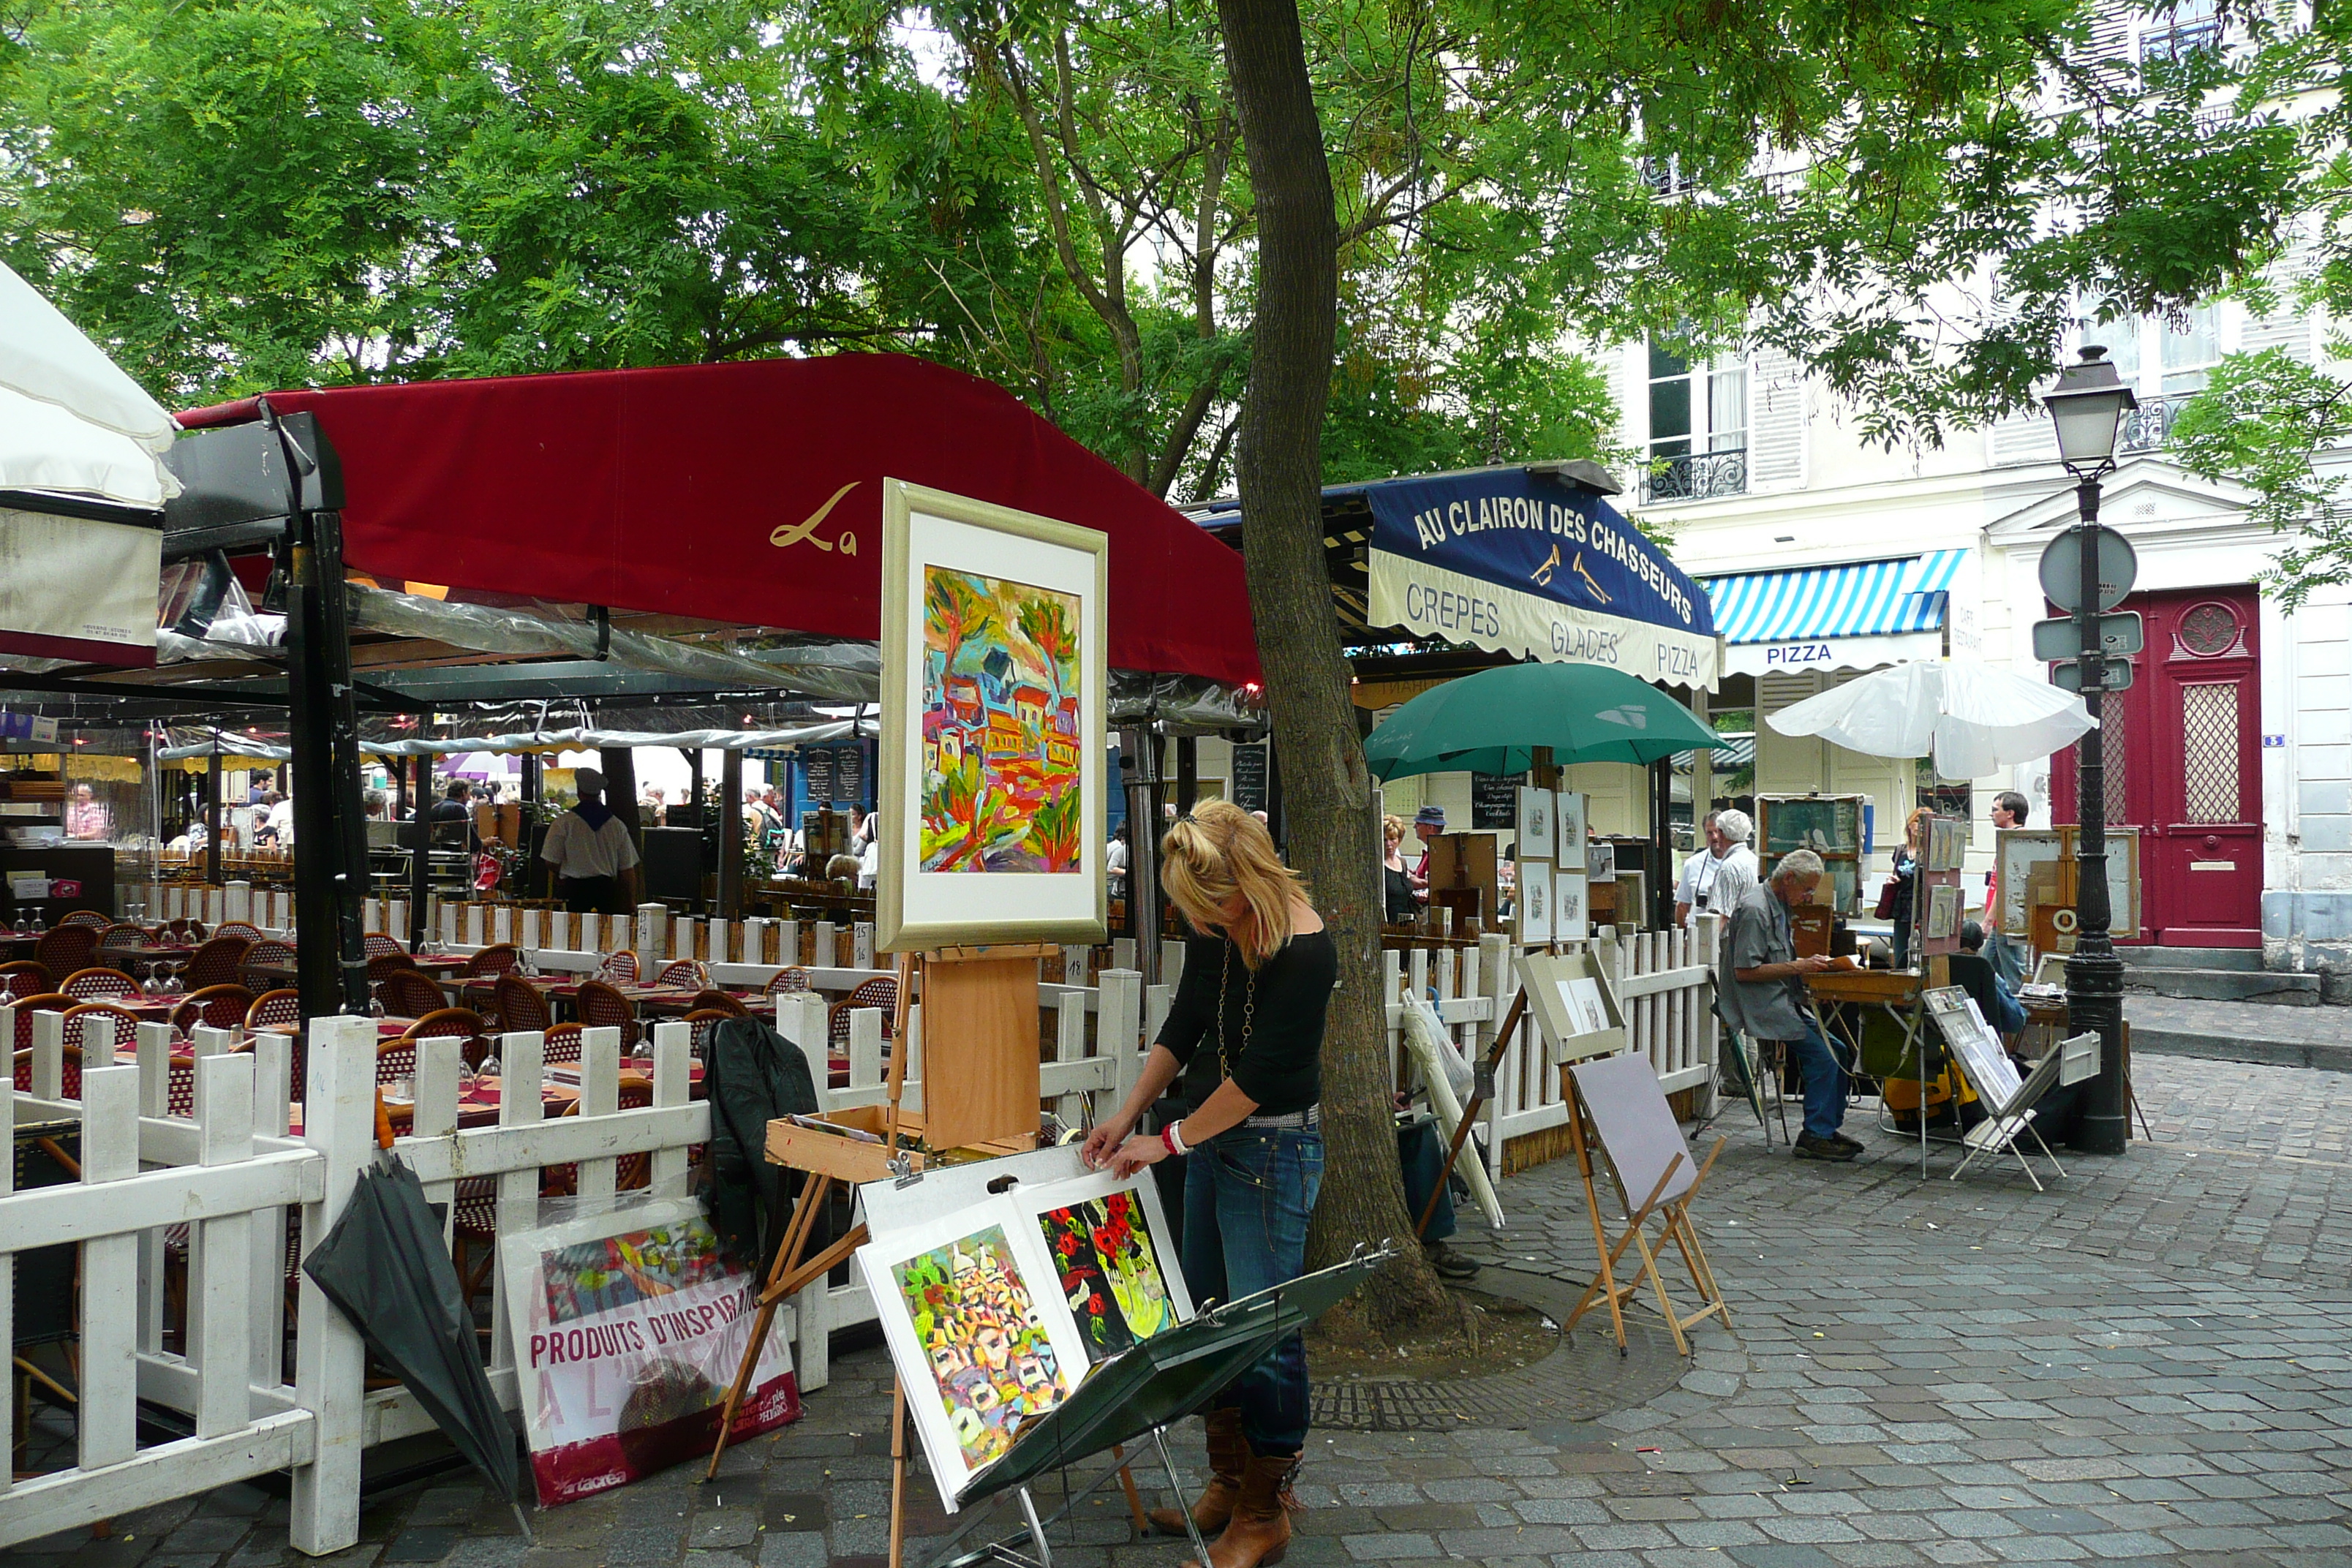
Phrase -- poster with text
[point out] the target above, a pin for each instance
(628, 1327)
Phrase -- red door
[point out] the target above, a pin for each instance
(2183, 751)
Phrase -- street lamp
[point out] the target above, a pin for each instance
(2087, 406)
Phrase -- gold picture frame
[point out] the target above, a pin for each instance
(993, 772)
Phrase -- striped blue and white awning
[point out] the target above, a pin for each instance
(1857, 615)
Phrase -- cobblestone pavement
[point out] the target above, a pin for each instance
(2147, 1364)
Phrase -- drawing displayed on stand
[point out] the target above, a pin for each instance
(975, 1318)
(1109, 1252)
(1567, 907)
(1943, 913)
(992, 724)
(1001, 699)
(1531, 904)
(1535, 840)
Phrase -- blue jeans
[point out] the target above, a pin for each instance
(1824, 1082)
(1247, 1195)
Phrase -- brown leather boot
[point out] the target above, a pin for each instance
(1229, 1456)
(1259, 1531)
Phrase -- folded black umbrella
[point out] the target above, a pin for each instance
(384, 1268)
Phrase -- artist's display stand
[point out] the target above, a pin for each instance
(981, 1099)
(1143, 1393)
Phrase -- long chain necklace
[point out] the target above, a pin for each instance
(1249, 1009)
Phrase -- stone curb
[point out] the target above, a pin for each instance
(2325, 1056)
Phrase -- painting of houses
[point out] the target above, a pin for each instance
(1000, 725)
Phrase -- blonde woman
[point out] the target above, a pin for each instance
(1245, 1032)
(1400, 906)
(1907, 855)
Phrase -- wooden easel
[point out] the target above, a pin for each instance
(993, 994)
(1605, 1285)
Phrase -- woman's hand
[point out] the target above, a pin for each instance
(1135, 1153)
(1104, 1141)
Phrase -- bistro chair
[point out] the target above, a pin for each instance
(123, 933)
(710, 999)
(43, 1001)
(72, 1085)
(89, 918)
(629, 1171)
(880, 992)
(375, 944)
(24, 978)
(701, 1021)
(180, 1087)
(98, 985)
(395, 1059)
(454, 1023)
(619, 968)
(64, 949)
(516, 1005)
(683, 972)
(215, 1007)
(791, 980)
(562, 1044)
(494, 960)
(269, 949)
(219, 960)
(274, 1010)
(601, 1007)
(380, 964)
(79, 1018)
(244, 929)
(410, 993)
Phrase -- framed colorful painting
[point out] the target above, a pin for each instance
(972, 1314)
(992, 742)
(1110, 1244)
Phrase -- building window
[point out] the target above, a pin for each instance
(2176, 34)
(2165, 362)
(1699, 428)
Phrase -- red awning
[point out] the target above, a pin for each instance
(746, 492)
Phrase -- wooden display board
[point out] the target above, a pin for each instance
(1463, 863)
(979, 1048)
(1827, 824)
(2038, 877)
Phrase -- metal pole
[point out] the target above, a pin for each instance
(1138, 756)
(331, 862)
(1188, 775)
(213, 814)
(420, 860)
(730, 834)
(2095, 975)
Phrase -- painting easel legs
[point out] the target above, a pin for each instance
(1605, 1285)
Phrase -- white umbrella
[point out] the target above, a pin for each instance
(70, 418)
(1972, 718)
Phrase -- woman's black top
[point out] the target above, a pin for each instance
(1402, 905)
(1906, 883)
(1281, 1067)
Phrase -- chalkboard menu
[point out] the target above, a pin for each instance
(1494, 800)
(816, 773)
(1249, 777)
(850, 772)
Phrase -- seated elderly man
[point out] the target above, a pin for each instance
(1762, 989)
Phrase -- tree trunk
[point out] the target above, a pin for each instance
(1334, 839)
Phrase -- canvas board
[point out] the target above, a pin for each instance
(974, 1317)
(1535, 819)
(1943, 913)
(1115, 1257)
(1561, 990)
(1531, 905)
(993, 680)
(1638, 1133)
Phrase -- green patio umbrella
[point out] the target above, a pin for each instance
(1491, 723)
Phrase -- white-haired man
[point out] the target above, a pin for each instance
(1761, 987)
(1716, 879)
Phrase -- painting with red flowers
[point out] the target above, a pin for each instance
(1115, 1267)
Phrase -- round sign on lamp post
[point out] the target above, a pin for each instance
(2061, 568)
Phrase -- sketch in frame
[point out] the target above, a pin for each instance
(1531, 905)
(993, 680)
(1567, 820)
(1536, 818)
(1570, 912)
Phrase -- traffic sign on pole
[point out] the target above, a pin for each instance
(2061, 569)
(2069, 676)
(2121, 634)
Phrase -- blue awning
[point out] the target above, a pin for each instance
(1864, 598)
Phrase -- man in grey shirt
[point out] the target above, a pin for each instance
(1761, 987)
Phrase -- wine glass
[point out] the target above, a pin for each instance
(490, 1066)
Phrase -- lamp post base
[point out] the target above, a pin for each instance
(2094, 1003)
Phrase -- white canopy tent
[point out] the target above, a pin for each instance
(82, 485)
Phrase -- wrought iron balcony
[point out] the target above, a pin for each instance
(2147, 427)
(1696, 476)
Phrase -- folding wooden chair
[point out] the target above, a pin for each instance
(1616, 1102)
